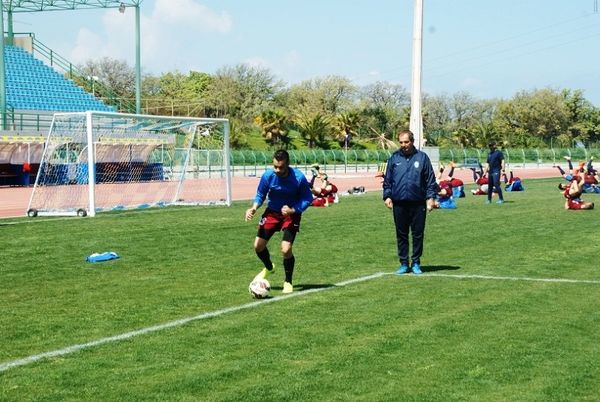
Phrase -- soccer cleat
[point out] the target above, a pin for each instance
(488, 202)
(416, 269)
(500, 202)
(287, 288)
(402, 270)
(264, 273)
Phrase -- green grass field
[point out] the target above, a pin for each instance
(466, 330)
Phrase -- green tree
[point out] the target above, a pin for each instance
(314, 128)
(272, 124)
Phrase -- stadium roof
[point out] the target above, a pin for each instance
(29, 6)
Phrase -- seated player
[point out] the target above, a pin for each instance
(458, 186)
(591, 179)
(572, 193)
(568, 176)
(513, 183)
(481, 180)
(445, 192)
(326, 193)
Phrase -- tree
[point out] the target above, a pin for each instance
(241, 91)
(116, 74)
(345, 126)
(272, 124)
(313, 128)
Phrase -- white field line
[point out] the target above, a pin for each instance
(513, 278)
(75, 348)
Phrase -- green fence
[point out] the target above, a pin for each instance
(516, 156)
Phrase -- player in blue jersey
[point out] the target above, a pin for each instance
(289, 195)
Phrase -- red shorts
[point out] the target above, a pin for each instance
(273, 221)
(575, 204)
(319, 202)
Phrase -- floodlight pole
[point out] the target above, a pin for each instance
(416, 119)
(2, 70)
(138, 73)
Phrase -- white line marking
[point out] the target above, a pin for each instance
(75, 348)
(513, 278)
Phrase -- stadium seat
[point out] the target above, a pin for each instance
(32, 85)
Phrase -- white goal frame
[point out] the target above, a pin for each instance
(110, 139)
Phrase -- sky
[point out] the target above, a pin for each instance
(488, 48)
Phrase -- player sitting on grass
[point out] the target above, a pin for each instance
(458, 186)
(568, 176)
(481, 180)
(445, 192)
(572, 192)
(512, 183)
(326, 193)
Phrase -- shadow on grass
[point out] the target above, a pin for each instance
(306, 286)
(433, 268)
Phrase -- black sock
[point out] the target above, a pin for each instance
(312, 181)
(570, 164)
(451, 172)
(265, 257)
(562, 172)
(288, 267)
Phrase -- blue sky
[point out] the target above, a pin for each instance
(490, 48)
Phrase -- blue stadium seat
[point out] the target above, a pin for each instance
(32, 85)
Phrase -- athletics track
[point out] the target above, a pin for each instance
(14, 200)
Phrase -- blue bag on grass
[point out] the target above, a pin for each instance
(99, 257)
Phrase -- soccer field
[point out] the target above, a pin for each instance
(508, 307)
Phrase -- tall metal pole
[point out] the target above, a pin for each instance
(138, 73)
(2, 70)
(416, 119)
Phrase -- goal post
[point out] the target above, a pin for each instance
(102, 161)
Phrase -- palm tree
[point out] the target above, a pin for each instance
(344, 126)
(313, 128)
(272, 123)
(382, 141)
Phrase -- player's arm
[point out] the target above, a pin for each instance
(250, 212)
(261, 195)
(305, 198)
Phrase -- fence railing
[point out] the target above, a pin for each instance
(520, 156)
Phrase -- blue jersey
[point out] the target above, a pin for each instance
(292, 190)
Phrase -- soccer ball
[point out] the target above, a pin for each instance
(259, 288)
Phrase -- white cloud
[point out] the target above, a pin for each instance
(167, 35)
(189, 14)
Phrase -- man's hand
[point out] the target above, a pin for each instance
(430, 204)
(286, 211)
(250, 213)
(388, 203)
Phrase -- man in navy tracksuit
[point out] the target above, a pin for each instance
(409, 189)
(494, 167)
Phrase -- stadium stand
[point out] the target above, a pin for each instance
(32, 85)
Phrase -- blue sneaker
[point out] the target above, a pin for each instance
(488, 202)
(416, 269)
(500, 202)
(402, 270)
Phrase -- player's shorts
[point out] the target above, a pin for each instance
(319, 202)
(273, 221)
(575, 203)
(447, 203)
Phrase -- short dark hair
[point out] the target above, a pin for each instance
(560, 186)
(411, 136)
(492, 144)
(281, 155)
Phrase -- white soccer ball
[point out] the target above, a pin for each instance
(259, 288)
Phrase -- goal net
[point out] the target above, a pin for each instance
(96, 161)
